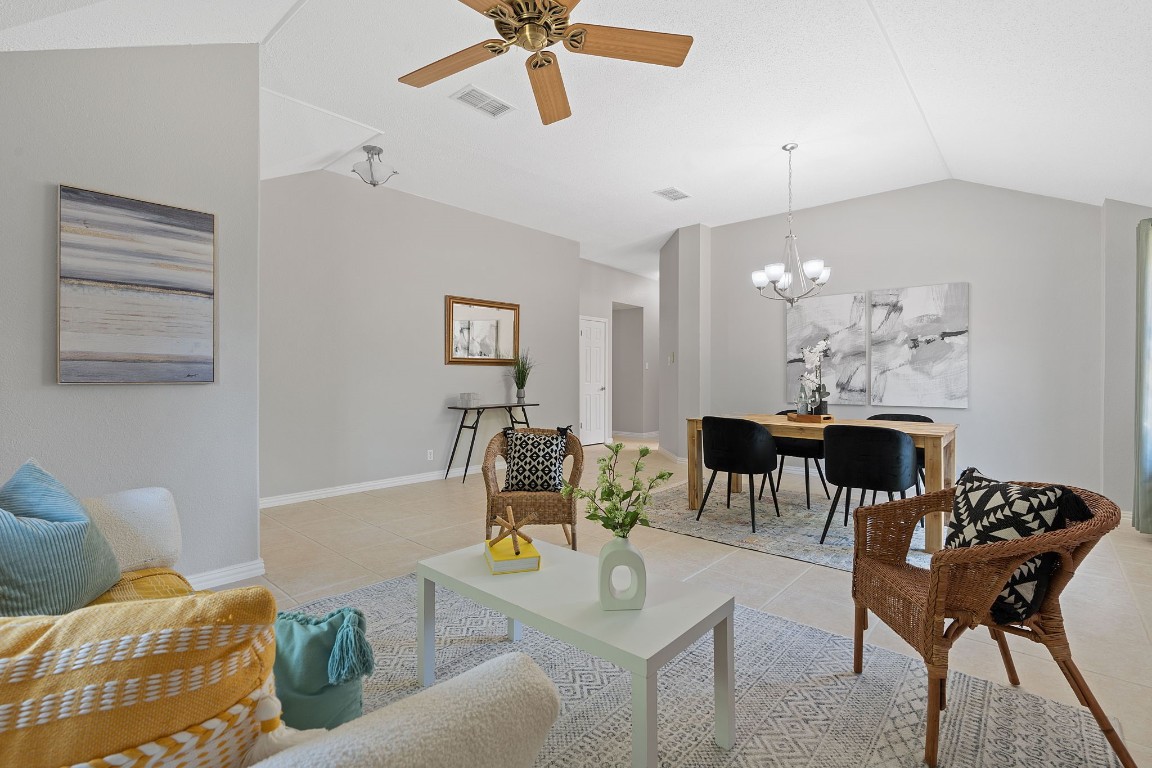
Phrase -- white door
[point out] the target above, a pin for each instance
(593, 350)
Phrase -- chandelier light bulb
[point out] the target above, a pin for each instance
(813, 268)
(824, 275)
(760, 278)
(774, 272)
(785, 282)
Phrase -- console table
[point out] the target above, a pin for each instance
(512, 420)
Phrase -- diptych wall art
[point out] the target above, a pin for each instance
(895, 346)
(919, 346)
(136, 291)
(843, 320)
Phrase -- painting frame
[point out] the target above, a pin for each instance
(922, 361)
(843, 319)
(120, 257)
(502, 318)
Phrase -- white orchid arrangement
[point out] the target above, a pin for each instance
(812, 389)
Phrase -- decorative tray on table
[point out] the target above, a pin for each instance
(809, 417)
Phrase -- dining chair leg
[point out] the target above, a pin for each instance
(832, 511)
(807, 486)
(858, 638)
(902, 495)
(873, 497)
(1005, 654)
(729, 504)
(932, 735)
(861, 503)
(762, 481)
(820, 471)
(1084, 693)
(848, 501)
(707, 491)
(780, 472)
(772, 485)
(891, 497)
(752, 499)
(919, 489)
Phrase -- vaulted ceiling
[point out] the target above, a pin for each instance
(1052, 97)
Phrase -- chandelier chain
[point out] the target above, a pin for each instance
(789, 191)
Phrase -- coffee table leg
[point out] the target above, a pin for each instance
(725, 672)
(426, 631)
(515, 630)
(644, 751)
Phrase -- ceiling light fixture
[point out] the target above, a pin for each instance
(791, 280)
(373, 171)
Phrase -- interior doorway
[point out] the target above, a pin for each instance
(593, 379)
(627, 377)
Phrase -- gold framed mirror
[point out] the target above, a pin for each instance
(480, 332)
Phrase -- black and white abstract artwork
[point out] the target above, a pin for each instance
(919, 346)
(137, 291)
(842, 319)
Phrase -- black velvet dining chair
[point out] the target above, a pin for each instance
(868, 458)
(740, 447)
(799, 448)
(920, 481)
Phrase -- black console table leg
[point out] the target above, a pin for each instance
(512, 420)
(459, 430)
(475, 428)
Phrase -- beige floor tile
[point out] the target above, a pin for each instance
(344, 532)
(750, 593)
(386, 559)
(1138, 574)
(757, 566)
(300, 579)
(1141, 754)
(353, 501)
(295, 514)
(450, 539)
(1101, 561)
(276, 536)
(1134, 552)
(1128, 702)
(825, 583)
(283, 601)
(299, 550)
(338, 588)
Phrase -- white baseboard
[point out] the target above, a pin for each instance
(671, 456)
(221, 576)
(637, 435)
(371, 485)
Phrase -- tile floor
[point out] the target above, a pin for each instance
(333, 545)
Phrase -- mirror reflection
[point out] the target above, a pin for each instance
(481, 332)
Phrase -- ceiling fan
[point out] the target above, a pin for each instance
(538, 24)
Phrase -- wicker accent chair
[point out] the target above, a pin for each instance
(546, 507)
(960, 587)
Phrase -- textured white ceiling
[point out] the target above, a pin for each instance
(1047, 96)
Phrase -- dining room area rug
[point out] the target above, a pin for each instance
(795, 534)
(798, 704)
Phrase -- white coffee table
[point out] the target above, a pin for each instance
(562, 600)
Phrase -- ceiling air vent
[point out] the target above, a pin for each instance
(672, 194)
(481, 101)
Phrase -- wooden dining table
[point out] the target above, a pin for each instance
(937, 440)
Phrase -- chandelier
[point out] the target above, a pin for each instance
(373, 171)
(791, 280)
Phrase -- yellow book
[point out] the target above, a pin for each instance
(503, 559)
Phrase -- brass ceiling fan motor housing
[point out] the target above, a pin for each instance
(533, 26)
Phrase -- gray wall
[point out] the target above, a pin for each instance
(669, 344)
(1119, 339)
(600, 288)
(1034, 267)
(628, 369)
(354, 387)
(172, 125)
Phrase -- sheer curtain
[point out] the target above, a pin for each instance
(1142, 504)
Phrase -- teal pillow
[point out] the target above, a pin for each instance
(53, 559)
(320, 663)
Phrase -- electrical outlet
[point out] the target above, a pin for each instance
(429, 454)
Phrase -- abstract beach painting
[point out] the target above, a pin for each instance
(136, 291)
(842, 319)
(919, 346)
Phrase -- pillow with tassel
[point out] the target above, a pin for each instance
(320, 667)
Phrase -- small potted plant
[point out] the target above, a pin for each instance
(618, 503)
(520, 370)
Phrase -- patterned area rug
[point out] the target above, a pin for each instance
(795, 534)
(797, 701)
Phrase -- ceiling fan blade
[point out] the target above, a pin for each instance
(457, 62)
(548, 87)
(630, 44)
(570, 4)
(483, 6)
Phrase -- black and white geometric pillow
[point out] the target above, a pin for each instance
(535, 462)
(986, 511)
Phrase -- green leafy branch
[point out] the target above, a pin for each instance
(618, 503)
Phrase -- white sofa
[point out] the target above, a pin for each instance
(496, 715)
